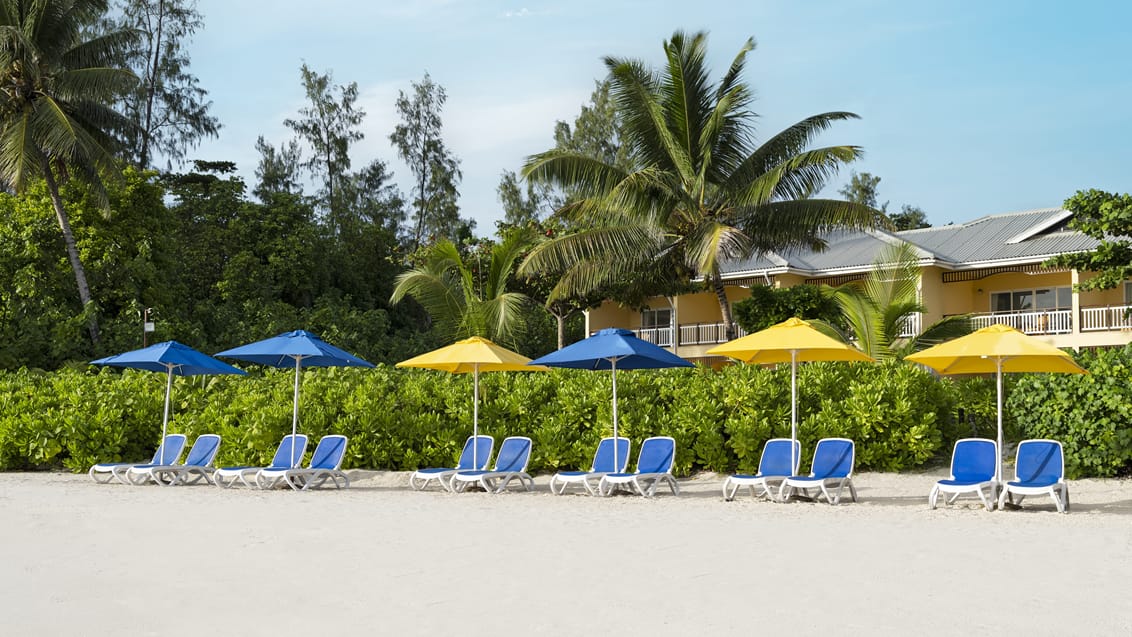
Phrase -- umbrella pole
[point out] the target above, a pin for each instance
(998, 382)
(295, 410)
(165, 417)
(475, 414)
(613, 366)
(793, 409)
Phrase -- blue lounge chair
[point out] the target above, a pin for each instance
(421, 478)
(1038, 468)
(510, 464)
(973, 462)
(197, 466)
(603, 463)
(774, 467)
(325, 464)
(654, 465)
(832, 467)
(167, 453)
(290, 447)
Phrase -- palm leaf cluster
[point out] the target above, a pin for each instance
(58, 90)
(699, 192)
(878, 308)
(463, 297)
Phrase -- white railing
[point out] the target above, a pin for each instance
(706, 333)
(692, 334)
(661, 336)
(911, 326)
(1105, 318)
(1051, 322)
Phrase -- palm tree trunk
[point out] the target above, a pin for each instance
(561, 330)
(724, 306)
(72, 248)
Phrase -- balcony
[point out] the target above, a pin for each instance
(1094, 319)
(1045, 322)
(690, 334)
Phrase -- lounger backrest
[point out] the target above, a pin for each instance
(484, 445)
(603, 459)
(203, 453)
(1039, 461)
(170, 450)
(658, 454)
(776, 458)
(329, 453)
(833, 458)
(283, 455)
(514, 454)
(974, 459)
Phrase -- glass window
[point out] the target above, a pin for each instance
(1022, 300)
(1065, 298)
(1000, 302)
(651, 319)
(1128, 293)
(1045, 299)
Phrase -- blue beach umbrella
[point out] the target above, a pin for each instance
(172, 358)
(296, 349)
(612, 349)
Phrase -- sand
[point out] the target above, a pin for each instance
(379, 559)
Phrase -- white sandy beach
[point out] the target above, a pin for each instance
(379, 559)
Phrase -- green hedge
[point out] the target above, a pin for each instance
(1090, 414)
(900, 416)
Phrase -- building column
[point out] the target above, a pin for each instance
(1075, 314)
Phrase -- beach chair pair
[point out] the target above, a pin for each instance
(1039, 468)
(608, 474)
(196, 467)
(830, 472)
(164, 468)
(471, 469)
(286, 466)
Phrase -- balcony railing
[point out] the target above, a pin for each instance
(706, 333)
(690, 334)
(661, 336)
(1105, 318)
(1048, 322)
(912, 326)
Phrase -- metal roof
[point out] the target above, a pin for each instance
(1029, 235)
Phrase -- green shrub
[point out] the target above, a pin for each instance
(1090, 414)
(900, 416)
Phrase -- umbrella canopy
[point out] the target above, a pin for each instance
(994, 350)
(792, 341)
(472, 356)
(298, 348)
(612, 349)
(172, 358)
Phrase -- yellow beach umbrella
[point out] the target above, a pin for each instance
(994, 350)
(792, 341)
(472, 356)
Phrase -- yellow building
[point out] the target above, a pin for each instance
(990, 268)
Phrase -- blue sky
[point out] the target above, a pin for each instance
(968, 107)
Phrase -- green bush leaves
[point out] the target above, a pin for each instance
(900, 416)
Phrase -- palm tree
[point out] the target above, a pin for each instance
(699, 192)
(56, 106)
(878, 309)
(465, 299)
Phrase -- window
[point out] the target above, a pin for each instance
(1128, 292)
(653, 319)
(1039, 299)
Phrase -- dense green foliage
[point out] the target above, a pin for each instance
(900, 416)
(1106, 217)
(1091, 415)
(770, 306)
(403, 419)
